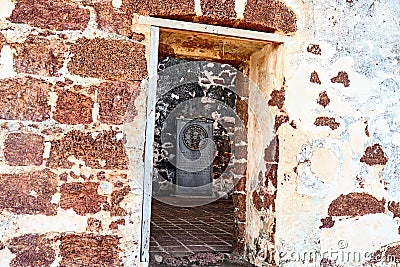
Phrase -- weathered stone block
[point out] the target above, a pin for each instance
(114, 99)
(28, 193)
(268, 16)
(39, 56)
(99, 150)
(218, 12)
(54, 15)
(73, 108)
(108, 59)
(89, 250)
(81, 197)
(356, 204)
(32, 250)
(24, 149)
(174, 9)
(24, 99)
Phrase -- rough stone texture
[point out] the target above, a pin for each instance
(32, 250)
(239, 202)
(257, 201)
(39, 56)
(73, 108)
(24, 99)
(268, 16)
(108, 59)
(323, 99)
(394, 207)
(279, 120)
(81, 197)
(277, 98)
(24, 149)
(110, 19)
(314, 49)
(356, 204)
(116, 197)
(218, 12)
(114, 99)
(54, 15)
(173, 9)
(89, 250)
(374, 155)
(93, 225)
(325, 121)
(327, 222)
(342, 77)
(314, 78)
(114, 224)
(92, 148)
(28, 193)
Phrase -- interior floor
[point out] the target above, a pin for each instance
(182, 231)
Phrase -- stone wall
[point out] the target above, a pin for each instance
(69, 69)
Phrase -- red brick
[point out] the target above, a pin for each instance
(374, 155)
(241, 185)
(108, 59)
(24, 99)
(89, 250)
(218, 12)
(326, 121)
(356, 204)
(114, 224)
(277, 98)
(2, 40)
(173, 9)
(16, 192)
(110, 19)
(39, 56)
(314, 78)
(342, 78)
(257, 201)
(73, 108)
(268, 16)
(239, 202)
(24, 149)
(279, 120)
(93, 225)
(48, 14)
(323, 99)
(81, 197)
(89, 148)
(114, 99)
(116, 198)
(32, 250)
(314, 49)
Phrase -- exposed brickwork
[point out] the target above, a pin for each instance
(174, 9)
(323, 99)
(239, 202)
(89, 250)
(81, 197)
(73, 108)
(392, 252)
(218, 12)
(241, 185)
(257, 201)
(116, 198)
(242, 109)
(31, 250)
(2, 41)
(356, 204)
(314, 78)
(108, 59)
(394, 207)
(39, 56)
(24, 99)
(93, 149)
(114, 224)
(114, 99)
(277, 98)
(269, 16)
(271, 153)
(343, 78)
(54, 15)
(374, 155)
(93, 225)
(279, 120)
(28, 193)
(325, 121)
(327, 222)
(271, 175)
(24, 149)
(314, 49)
